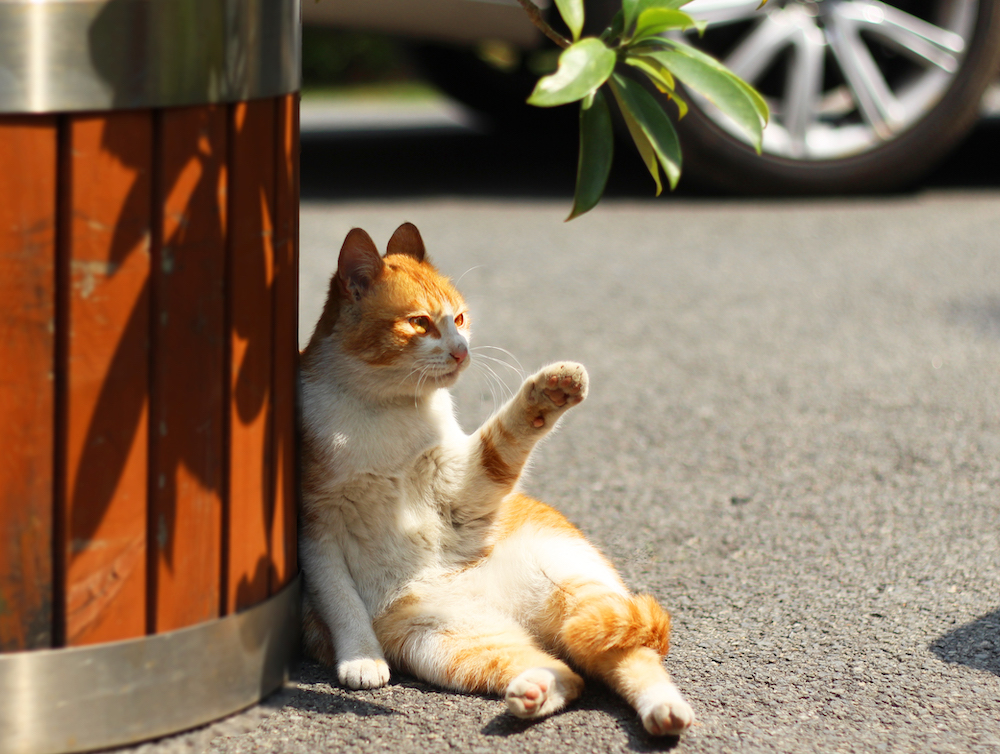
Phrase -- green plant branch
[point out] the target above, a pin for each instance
(536, 18)
(636, 38)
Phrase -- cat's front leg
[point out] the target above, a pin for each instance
(358, 655)
(500, 448)
(508, 437)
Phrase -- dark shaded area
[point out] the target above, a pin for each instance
(596, 697)
(975, 645)
(335, 57)
(538, 160)
(454, 161)
(308, 700)
(975, 163)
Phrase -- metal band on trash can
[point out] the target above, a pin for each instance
(78, 55)
(95, 697)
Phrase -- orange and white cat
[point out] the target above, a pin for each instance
(418, 551)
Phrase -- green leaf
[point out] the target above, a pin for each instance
(758, 102)
(596, 151)
(639, 105)
(631, 9)
(646, 151)
(583, 67)
(655, 21)
(616, 28)
(662, 78)
(572, 13)
(682, 105)
(719, 86)
(634, 8)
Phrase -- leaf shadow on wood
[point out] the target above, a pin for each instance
(182, 325)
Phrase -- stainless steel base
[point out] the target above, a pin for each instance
(84, 698)
(73, 55)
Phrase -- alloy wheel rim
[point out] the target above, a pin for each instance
(842, 77)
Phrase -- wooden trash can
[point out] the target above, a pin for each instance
(148, 346)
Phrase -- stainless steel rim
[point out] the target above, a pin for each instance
(71, 55)
(842, 77)
(95, 697)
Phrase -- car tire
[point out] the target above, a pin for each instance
(716, 157)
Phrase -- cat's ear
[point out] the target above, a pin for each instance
(359, 264)
(407, 240)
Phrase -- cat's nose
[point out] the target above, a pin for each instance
(460, 353)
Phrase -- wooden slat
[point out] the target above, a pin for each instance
(28, 147)
(106, 169)
(187, 413)
(286, 351)
(251, 274)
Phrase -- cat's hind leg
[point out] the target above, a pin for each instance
(476, 649)
(639, 676)
(622, 640)
(545, 575)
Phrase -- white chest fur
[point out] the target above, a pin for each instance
(382, 500)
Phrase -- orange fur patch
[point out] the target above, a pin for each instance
(378, 334)
(375, 331)
(483, 663)
(487, 664)
(518, 511)
(610, 621)
(493, 464)
(629, 671)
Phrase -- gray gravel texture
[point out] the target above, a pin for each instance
(792, 439)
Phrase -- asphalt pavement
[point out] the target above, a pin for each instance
(792, 439)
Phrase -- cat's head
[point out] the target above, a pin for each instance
(395, 324)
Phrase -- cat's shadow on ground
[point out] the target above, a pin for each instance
(596, 698)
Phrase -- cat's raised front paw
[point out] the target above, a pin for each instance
(540, 691)
(365, 673)
(556, 388)
(664, 711)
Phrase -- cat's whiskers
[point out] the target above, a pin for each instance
(519, 370)
(498, 388)
(489, 383)
(421, 370)
(505, 392)
(502, 363)
(420, 381)
(474, 267)
(409, 374)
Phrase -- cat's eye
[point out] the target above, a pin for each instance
(459, 320)
(420, 324)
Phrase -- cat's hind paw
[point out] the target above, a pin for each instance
(364, 673)
(664, 712)
(540, 691)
